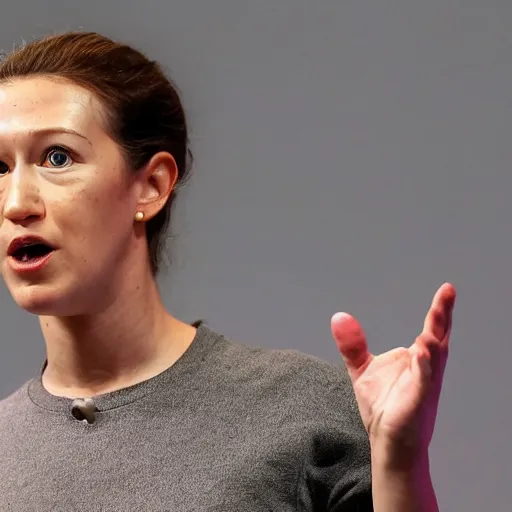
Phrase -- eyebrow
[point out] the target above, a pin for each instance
(50, 131)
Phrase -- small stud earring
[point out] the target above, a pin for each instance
(139, 216)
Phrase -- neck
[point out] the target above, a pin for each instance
(131, 340)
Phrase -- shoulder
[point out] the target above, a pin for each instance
(13, 401)
(313, 402)
(257, 361)
(293, 379)
(299, 367)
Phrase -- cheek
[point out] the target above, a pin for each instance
(100, 217)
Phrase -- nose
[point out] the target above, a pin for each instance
(22, 200)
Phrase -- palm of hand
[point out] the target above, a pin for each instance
(398, 392)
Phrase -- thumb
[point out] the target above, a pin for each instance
(351, 342)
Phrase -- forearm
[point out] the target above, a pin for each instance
(402, 484)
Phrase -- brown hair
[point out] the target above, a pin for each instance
(144, 114)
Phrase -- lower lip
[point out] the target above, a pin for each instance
(32, 265)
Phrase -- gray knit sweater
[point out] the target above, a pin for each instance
(227, 428)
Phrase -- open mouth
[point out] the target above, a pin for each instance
(31, 252)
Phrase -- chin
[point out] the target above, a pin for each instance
(61, 294)
(48, 297)
(39, 300)
(61, 300)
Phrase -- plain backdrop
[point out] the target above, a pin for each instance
(350, 155)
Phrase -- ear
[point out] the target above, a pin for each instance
(156, 180)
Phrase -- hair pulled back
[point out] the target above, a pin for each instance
(143, 111)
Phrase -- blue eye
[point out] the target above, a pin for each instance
(58, 157)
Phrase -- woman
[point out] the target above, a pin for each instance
(133, 409)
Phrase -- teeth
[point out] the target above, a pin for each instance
(25, 257)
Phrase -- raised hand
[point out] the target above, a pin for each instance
(398, 392)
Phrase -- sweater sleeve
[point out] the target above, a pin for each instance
(336, 472)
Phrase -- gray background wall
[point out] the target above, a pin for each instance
(350, 155)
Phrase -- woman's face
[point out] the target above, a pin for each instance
(63, 179)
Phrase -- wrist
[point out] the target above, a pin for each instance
(401, 478)
(400, 457)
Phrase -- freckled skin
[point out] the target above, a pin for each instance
(85, 208)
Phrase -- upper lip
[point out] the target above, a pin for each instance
(24, 241)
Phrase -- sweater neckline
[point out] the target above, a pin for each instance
(171, 379)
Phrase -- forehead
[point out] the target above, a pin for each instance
(33, 103)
